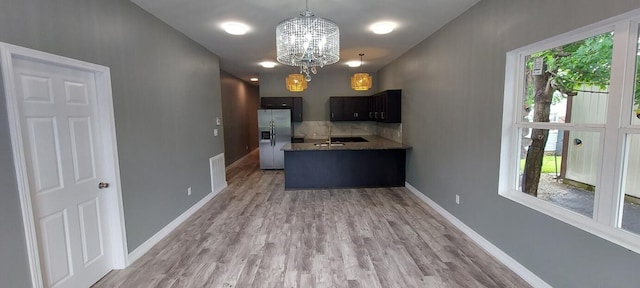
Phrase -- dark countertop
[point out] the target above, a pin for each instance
(375, 143)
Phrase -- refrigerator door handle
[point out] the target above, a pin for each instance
(273, 134)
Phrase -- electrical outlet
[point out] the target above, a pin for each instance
(215, 132)
(457, 199)
(188, 191)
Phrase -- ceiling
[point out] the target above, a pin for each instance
(239, 55)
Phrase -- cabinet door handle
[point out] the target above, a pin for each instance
(331, 115)
(370, 114)
(376, 115)
(381, 115)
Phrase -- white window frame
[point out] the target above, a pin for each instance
(607, 213)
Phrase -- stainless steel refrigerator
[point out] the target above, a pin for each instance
(274, 128)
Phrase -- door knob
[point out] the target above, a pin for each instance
(103, 185)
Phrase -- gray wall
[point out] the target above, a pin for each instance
(315, 99)
(240, 101)
(13, 252)
(166, 92)
(454, 81)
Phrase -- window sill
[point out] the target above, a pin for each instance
(618, 236)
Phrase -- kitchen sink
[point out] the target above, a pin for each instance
(324, 144)
(347, 139)
(340, 141)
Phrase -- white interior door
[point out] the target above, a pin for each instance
(59, 120)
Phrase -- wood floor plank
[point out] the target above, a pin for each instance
(256, 234)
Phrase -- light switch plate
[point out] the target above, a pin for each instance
(215, 132)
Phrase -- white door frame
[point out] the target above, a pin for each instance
(105, 112)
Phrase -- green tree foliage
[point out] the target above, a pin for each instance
(586, 62)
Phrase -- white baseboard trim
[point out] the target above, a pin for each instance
(147, 245)
(503, 257)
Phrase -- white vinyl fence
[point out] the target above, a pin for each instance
(582, 154)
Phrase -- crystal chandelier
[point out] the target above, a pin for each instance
(307, 42)
(361, 81)
(296, 83)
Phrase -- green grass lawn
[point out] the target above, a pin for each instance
(548, 164)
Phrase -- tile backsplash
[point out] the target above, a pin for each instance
(391, 131)
(320, 129)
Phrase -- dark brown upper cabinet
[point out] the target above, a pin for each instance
(383, 107)
(348, 108)
(386, 106)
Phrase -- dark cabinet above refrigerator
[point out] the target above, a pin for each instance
(276, 102)
(292, 103)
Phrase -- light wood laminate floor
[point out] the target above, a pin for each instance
(256, 234)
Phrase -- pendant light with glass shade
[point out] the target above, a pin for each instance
(296, 83)
(361, 81)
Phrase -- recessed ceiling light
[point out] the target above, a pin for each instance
(383, 27)
(353, 64)
(235, 28)
(254, 79)
(268, 64)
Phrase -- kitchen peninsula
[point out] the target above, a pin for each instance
(377, 162)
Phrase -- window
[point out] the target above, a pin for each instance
(571, 128)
